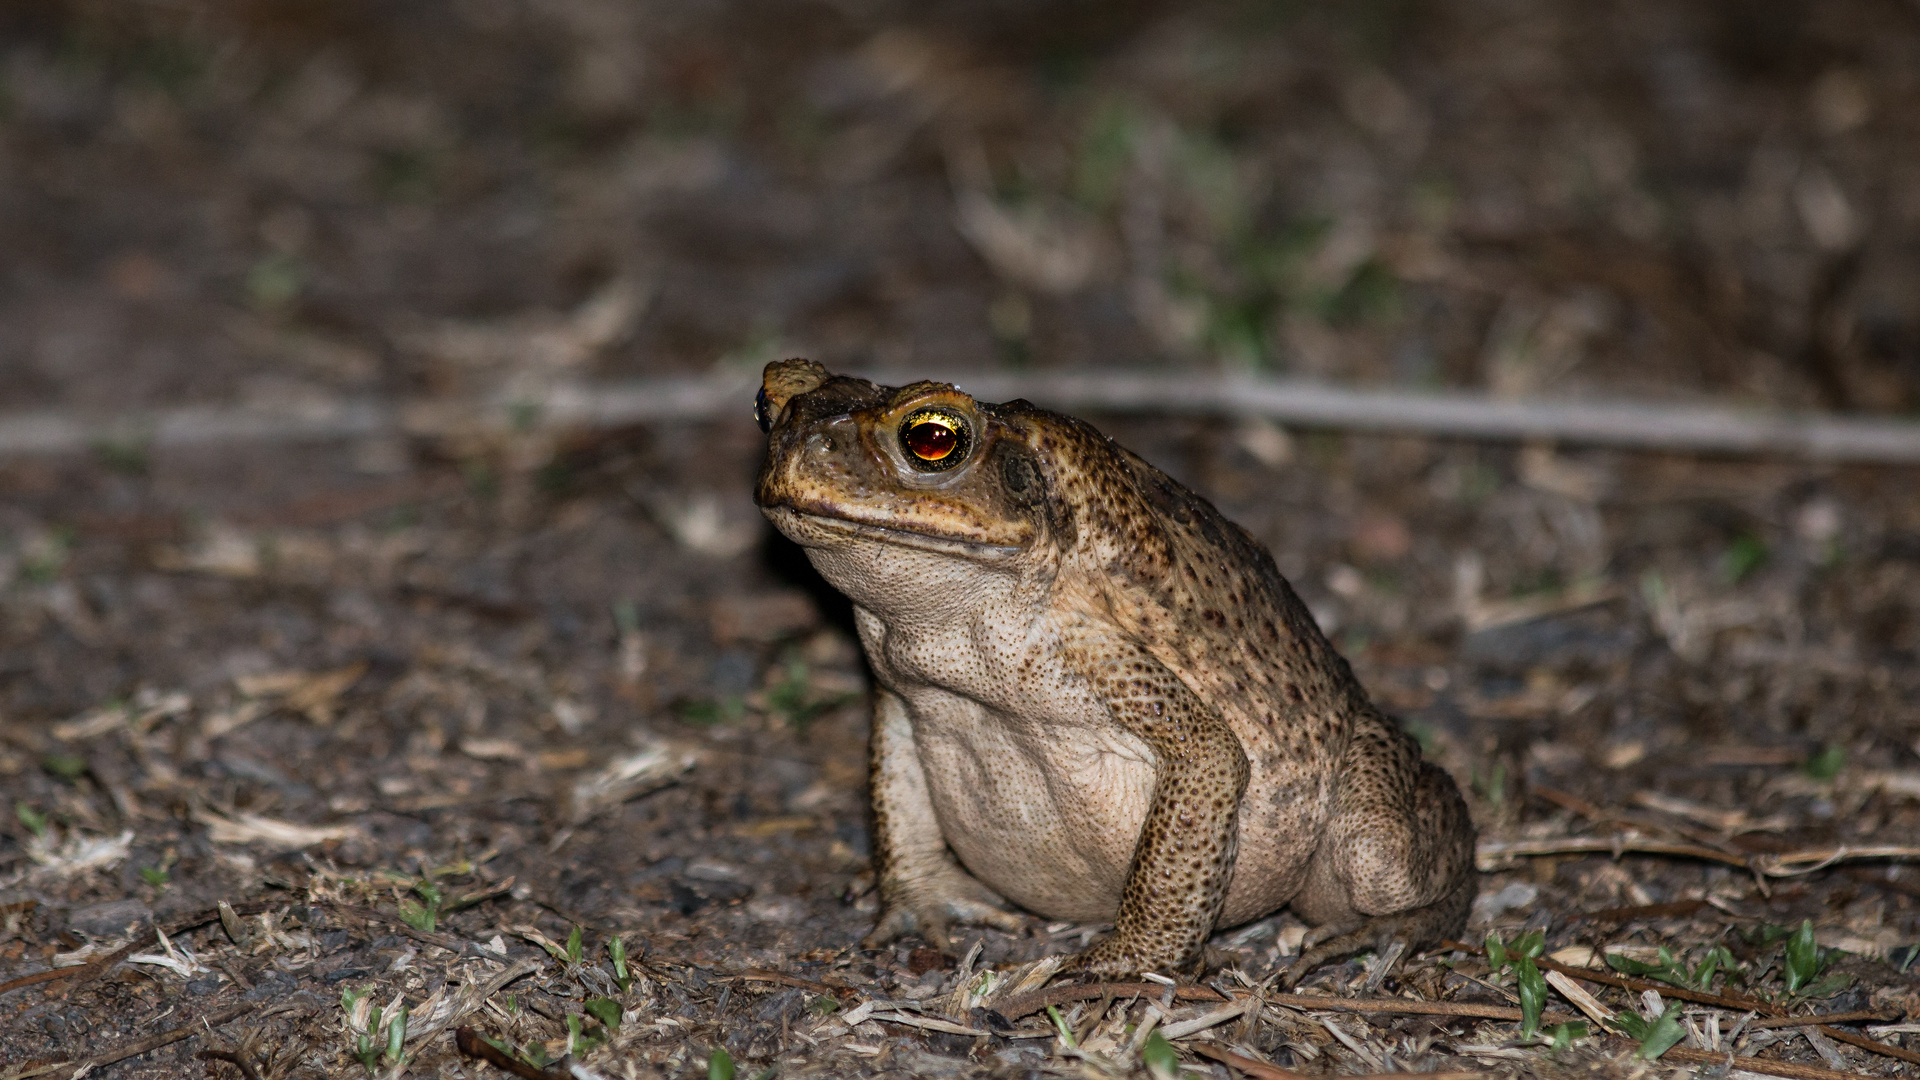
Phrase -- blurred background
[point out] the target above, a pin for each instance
(210, 201)
(419, 637)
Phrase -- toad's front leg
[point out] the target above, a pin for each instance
(1184, 856)
(922, 890)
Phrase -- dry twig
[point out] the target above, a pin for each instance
(761, 975)
(1639, 425)
(1858, 1016)
(1783, 864)
(1033, 1002)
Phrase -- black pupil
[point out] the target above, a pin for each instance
(932, 440)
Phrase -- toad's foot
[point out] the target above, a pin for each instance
(1115, 957)
(930, 905)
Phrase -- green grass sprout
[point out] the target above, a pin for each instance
(1158, 1056)
(605, 1010)
(34, 820)
(1656, 1037)
(617, 951)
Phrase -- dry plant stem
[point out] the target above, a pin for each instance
(1675, 909)
(1784, 864)
(1033, 1002)
(1642, 425)
(1858, 1017)
(761, 975)
(1411, 1007)
(165, 1038)
(93, 969)
(233, 1059)
(472, 1045)
(1865, 1043)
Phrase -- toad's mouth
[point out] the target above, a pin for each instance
(813, 529)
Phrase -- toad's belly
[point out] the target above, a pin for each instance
(1050, 828)
(1052, 825)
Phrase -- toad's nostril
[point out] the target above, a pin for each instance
(820, 443)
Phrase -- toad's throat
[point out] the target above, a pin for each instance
(823, 519)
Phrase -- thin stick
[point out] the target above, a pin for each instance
(1785, 864)
(1411, 1007)
(165, 1038)
(1861, 1016)
(1036, 1000)
(1865, 1043)
(761, 975)
(1637, 425)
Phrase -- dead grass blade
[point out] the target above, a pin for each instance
(450, 1011)
(245, 828)
(1212, 1018)
(654, 766)
(926, 1023)
(93, 969)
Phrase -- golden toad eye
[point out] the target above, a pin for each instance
(934, 440)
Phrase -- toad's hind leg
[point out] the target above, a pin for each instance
(1396, 862)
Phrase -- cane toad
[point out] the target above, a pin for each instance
(1097, 698)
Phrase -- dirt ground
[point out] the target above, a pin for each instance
(419, 710)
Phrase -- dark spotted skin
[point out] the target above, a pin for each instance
(1098, 698)
(1177, 881)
